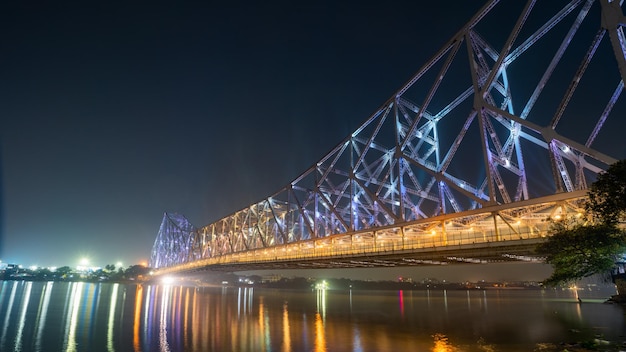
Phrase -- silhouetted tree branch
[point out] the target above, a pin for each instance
(578, 248)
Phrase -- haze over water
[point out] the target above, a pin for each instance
(60, 316)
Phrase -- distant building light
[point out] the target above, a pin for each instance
(321, 285)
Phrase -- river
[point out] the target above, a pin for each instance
(76, 316)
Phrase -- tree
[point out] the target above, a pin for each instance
(43, 274)
(135, 271)
(578, 248)
(63, 271)
(607, 196)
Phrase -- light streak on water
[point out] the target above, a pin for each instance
(401, 299)
(137, 320)
(239, 302)
(485, 300)
(264, 325)
(356, 339)
(165, 299)
(286, 329)
(147, 314)
(250, 295)
(186, 319)
(20, 329)
(321, 302)
(6, 319)
(111, 322)
(350, 299)
(320, 334)
(70, 342)
(42, 312)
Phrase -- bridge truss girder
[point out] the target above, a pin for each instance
(499, 233)
(477, 126)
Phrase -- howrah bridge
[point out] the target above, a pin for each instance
(501, 131)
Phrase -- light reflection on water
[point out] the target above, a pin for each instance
(20, 325)
(42, 311)
(113, 317)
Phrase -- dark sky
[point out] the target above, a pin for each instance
(115, 112)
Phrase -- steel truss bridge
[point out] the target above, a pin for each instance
(501, 131)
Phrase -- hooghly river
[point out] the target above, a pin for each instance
(59, 316)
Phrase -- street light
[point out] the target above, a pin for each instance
(83, 264)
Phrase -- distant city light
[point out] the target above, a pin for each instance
(321, 285)
(84, 265)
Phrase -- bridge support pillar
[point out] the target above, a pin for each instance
(495, 225)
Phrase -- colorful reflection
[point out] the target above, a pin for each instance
(401, 301)
(320, 334)
(89, 316)
(442, 344)
(286, 330)
(137, 319)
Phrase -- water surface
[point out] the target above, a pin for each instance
(59, 316)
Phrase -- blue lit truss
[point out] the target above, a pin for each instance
(176, 236)
(500, 114)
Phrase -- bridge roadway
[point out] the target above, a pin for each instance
(499, 233)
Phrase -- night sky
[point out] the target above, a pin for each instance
(113, 113)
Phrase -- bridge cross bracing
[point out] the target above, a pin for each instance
(466, 162)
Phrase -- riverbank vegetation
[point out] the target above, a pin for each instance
(109, 273)
(581, 246)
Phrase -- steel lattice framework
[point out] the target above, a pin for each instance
(500, 115)
(175, 238)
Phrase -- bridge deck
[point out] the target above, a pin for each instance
(495, 234)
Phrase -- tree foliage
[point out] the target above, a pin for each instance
(577, 249)
(607, 196)
(64, 270)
